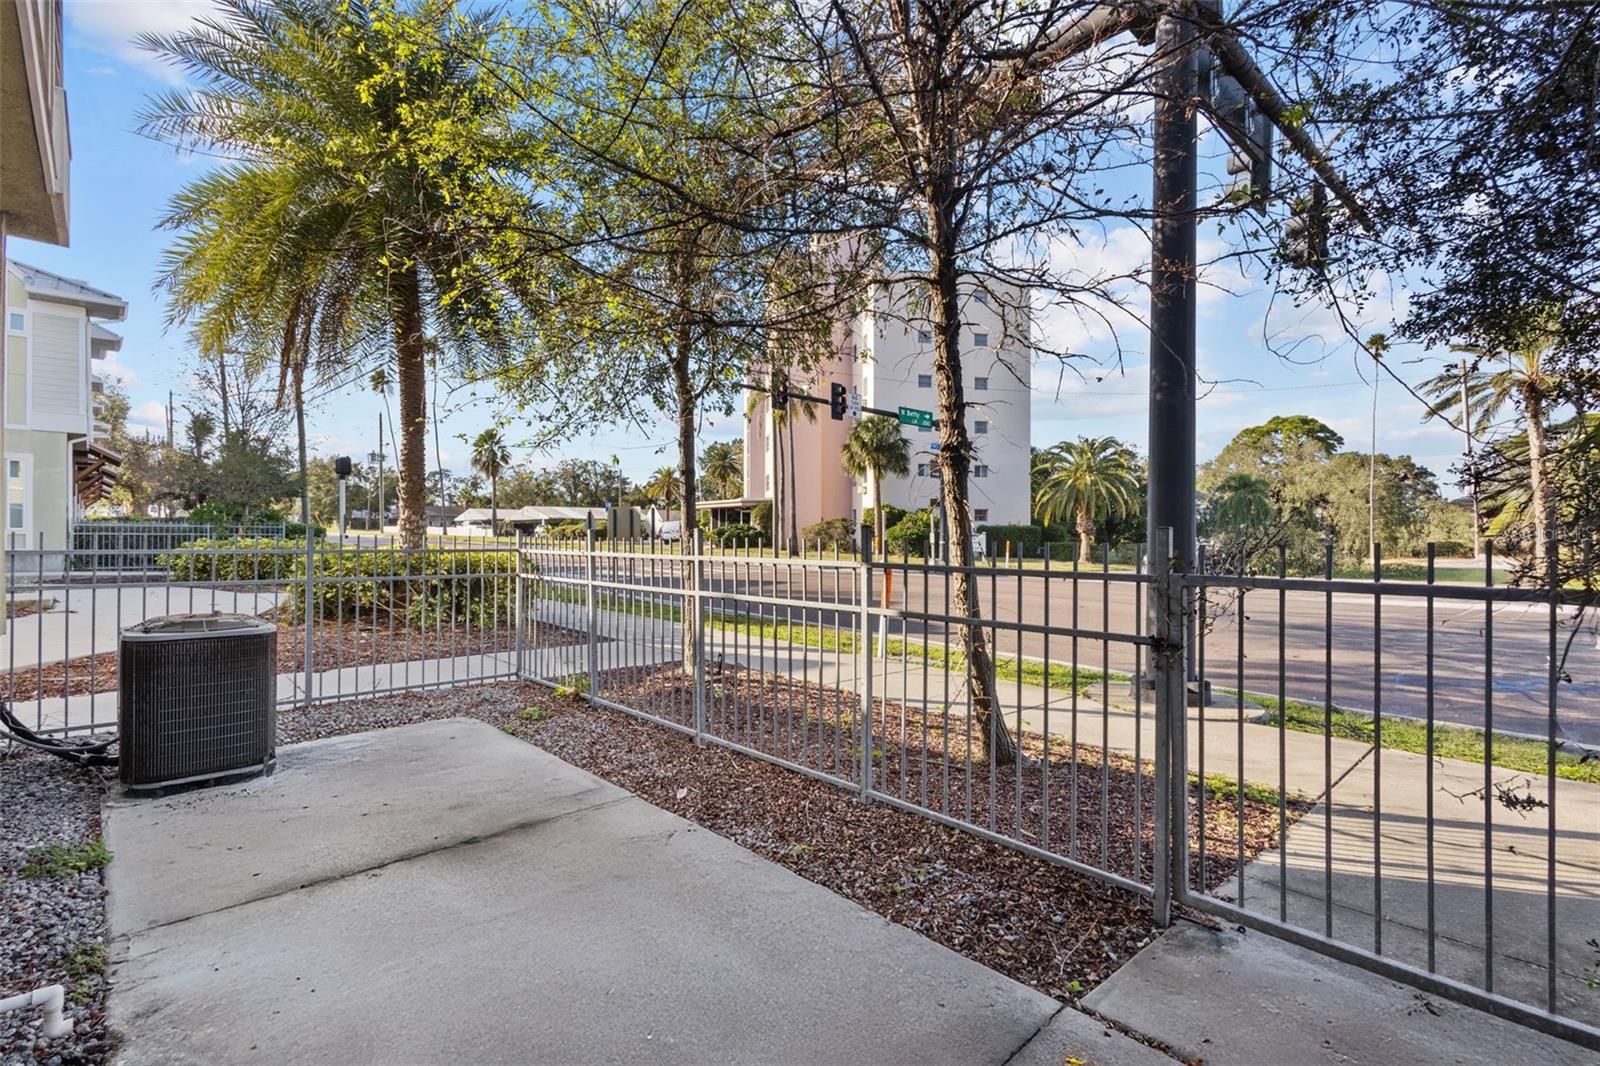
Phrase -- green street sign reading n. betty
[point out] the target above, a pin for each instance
(910, 416)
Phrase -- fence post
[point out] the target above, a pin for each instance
(1167, 659)
(516, 605)
(864, 652)
(308, 608)
(698, 633)
(593, 608)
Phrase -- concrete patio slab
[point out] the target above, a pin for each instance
(1226, 997)
(443, 892)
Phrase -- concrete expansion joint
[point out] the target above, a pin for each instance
(1031, 1037)
(398, 860)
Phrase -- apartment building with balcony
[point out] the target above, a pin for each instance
(57, 463)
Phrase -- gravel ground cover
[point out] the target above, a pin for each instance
(52, 912)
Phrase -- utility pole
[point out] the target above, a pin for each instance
(1172, 291)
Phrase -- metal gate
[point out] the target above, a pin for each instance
(1295, 798)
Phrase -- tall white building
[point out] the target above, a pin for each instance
(885, 352)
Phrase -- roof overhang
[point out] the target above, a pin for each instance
(33, 123)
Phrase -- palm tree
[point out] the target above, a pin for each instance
(722, 464)
(1520, 377)
(357, 134)
(664, 486)
(490, 457)
(875, 447)
(1091, 478)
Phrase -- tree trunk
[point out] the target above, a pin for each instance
(878, 524)
(955, 457)
(412, 374)
(794, 494)
(779, 492)
(1085, 536)
(1539, 479)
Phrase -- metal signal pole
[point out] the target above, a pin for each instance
(1172, 291)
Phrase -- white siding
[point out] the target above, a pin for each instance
(57, 366)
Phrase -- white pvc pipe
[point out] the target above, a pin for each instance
(51, 1001)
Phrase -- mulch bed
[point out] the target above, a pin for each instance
(335, 644)
(20, 608)
(936, 760)
(52, 928)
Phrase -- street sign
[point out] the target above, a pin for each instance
(855, 404)
(910, 416)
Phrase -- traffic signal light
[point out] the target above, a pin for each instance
(838, 400)
(780, 391)
(1305, 234)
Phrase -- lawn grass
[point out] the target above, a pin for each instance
(1061, 677)
(1449, 741)
(1399, 734)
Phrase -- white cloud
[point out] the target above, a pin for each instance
(112, 366)
(113, 26)
(152, 414)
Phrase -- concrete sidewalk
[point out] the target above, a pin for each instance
(445, 893)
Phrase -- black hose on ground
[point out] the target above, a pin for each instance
(76, 751)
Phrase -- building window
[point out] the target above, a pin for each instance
(922, 469)
(980, 426)
(980, 514)
(982, 297)
(925, 336)
(17, 322)
(980, 340)
(924, 381)
(934, 502)
(16, 497)
(980, 471)
(980, 384)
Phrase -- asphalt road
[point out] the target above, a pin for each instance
(1488, 668)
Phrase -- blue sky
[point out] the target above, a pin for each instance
(120, 182)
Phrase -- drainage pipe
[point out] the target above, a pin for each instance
(51, 1001)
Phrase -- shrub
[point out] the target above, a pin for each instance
(1024, 539)
(737, 534)
(435, 586)
(761, 517)
(432, 587)
(235, 559)
(910, 534)
(891, 517)
(829, 534)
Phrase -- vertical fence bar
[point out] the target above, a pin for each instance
(1428, 760)
(591, 608)
(695, 603)
(1488, 769)
(1553, 576)
(865, 655)
(1167, 672)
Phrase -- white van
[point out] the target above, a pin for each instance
(669, 532)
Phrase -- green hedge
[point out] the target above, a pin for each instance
(235, 559)
(436, 586)
(1026, 539)
(424, 587)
